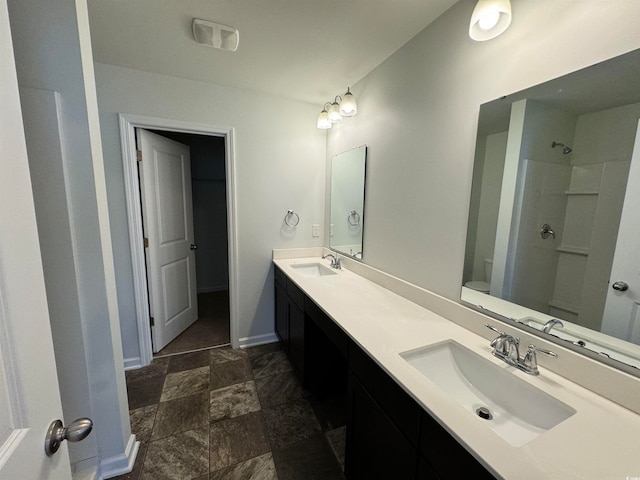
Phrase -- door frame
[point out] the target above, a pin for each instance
(128, 124)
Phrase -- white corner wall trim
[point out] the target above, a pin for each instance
(128, 124)
(246, 342)
(132, 363)
(120, 464)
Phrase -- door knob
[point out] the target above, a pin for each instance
(620, 286)
(193, 247)
(75, 432)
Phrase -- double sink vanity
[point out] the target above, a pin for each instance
(426, 399)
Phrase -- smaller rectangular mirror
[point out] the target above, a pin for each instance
(347, 201)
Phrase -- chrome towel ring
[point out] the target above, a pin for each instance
(291, 218)
(353, 218)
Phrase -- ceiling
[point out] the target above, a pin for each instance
(308, 50)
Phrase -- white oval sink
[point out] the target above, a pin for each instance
(520, 412)
(313, 269)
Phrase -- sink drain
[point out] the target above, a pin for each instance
(484, 412)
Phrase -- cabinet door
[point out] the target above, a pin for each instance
(282, 316)
(376, 449)
(296, 338)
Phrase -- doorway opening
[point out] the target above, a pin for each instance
(209, 207)
(217, 282)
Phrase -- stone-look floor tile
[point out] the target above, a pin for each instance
(230, 373)
(309, 459)
(226, 354)
(338, 442)
(145, 392)
(144, 385)
(270, 364)
(142, 420)
(184, 456)
(183, 384)
(233, 401)
(188, 361)
(181, 414)
(277, 389)
(262, 349)
(290, 422)
(236, 440)
(258, 468)
(157, 368)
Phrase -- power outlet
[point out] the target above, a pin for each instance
(331, 230)
(315, 230)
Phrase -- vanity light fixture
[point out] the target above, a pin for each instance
(334, 111)
(348, 106)
(344, 106)
(490, 18)
(323, 118)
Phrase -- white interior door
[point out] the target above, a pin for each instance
(29, 392)
(165, 181)
(622, 309)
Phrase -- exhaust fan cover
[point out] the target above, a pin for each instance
(215, 35)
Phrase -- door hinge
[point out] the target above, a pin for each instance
(139, 155)
(146, 242)
(152, 322)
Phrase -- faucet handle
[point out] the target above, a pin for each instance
(530, 360)
(491, 327)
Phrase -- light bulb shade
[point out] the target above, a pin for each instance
(334, 113)
(348, 106)
(490, 18)
(323, 120)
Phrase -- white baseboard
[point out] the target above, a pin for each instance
(246, 342)
(213, 289)
(120, 464)
(132, 363)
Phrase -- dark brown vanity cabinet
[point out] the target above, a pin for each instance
(316, 346)
(290, 320)
(389, 435)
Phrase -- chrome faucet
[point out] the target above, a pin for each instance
(506, 348)
(552, 323)
(335, 261)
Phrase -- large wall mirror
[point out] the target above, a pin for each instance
(347, 201)
(553, 243)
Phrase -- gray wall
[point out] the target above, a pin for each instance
(418, 115)
(279, 165)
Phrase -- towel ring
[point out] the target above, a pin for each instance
(289, 215)
(356, 218)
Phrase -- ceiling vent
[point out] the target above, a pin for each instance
(215, 35)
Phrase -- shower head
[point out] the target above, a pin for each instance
(565, 149)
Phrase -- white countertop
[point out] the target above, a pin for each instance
(600, 441)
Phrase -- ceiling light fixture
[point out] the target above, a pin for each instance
(344, 106)
(490, 18)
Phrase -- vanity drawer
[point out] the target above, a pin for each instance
(295, 294)
(396, 403)
(445, 456)
(333, 332)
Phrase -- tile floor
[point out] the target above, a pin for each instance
(225, 414)
(211, 329)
